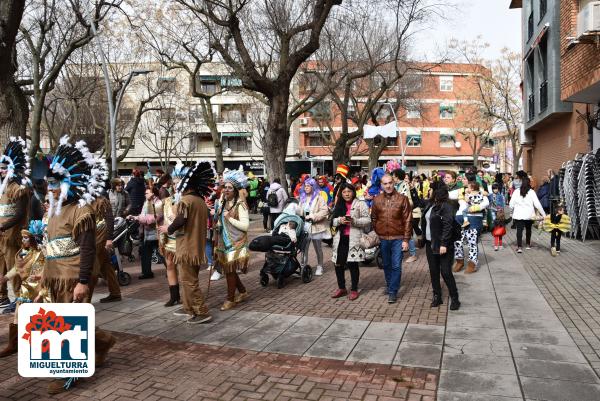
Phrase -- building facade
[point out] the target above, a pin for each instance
(558, 64)
(431, 128)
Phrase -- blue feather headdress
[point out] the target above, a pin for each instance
(16, 159)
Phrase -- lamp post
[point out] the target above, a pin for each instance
(113, 109)
(399, 134)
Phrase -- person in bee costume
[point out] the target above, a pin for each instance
(74, 182)
(556, 224)
(28, 265)
(191, 219)
(15, 195)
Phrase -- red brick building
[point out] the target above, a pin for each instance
(441, 109)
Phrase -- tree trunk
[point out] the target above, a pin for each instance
(14, 111)
(209, 117)
(276, 138)
(516, 154)
(375, 151)
(341, 151)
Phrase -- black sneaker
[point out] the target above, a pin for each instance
(10, 308)
(4, 302)
(146, 276)
(196, 319)
(392, 298)
(181, 312)
(110, 298)
(454, 304)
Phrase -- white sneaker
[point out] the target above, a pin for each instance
(216, 276)
(411, 259)
(495, 248)
(319, 271)
(209, 268)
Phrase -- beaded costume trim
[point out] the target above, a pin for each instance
(8, 209)
(61, 247)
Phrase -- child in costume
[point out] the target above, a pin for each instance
(472, 197)
(557, 223)
(499, 229)
(29, 265)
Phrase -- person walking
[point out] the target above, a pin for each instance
(437, 223)
(276, 198)
(543, 194)
(350, 217)
(232, 245)
(119, 199)
(263, 191)
(524, 203)
(150, 217)
(391, 215)
(136, 187)
(314, 210)
(252, 192)
(191, 218)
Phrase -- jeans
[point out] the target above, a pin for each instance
(208, 250)
(412, 248)
(441, 264)
(146, 250)
(523, 224)
(391, 252)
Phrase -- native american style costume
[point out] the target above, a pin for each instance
(71, 232)
(15, 194)
(191, 218)
(232, 245)
(29, 266)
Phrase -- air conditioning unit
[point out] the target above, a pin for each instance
(588, 20)
(304, 121)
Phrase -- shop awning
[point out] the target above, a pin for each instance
(236, 134)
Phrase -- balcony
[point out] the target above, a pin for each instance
(543, 8)
(530, 26)
(531, 107)
(543, 96)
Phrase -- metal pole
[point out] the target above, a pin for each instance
(399, 135)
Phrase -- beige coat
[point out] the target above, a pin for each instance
(318, 213)
(360, 220)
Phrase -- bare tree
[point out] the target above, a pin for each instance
(14, 112)
(498, 89)
(265, 43)
(51, 31)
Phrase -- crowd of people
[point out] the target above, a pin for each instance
(56, 235)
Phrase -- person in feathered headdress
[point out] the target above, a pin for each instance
(74, 181)
(191, 219)
(232, 240)
(168, 242)
(15, 195)
(28, 265)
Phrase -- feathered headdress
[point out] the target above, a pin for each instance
(36, 230)
(179, 171)
(236, 177)
(392, 165)
(200, 179)
(15, 158)
(80, 175)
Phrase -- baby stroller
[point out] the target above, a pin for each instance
(281, 260)
(123, 242)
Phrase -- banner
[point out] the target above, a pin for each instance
(387, 131)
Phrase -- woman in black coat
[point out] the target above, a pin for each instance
(436, 223)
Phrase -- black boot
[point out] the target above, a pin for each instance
(437, 301)
(454, 303)
(174, 291)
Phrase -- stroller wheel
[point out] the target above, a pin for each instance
(264, 279)
(379, 260)
(123, 278)
(131, 258)
(307, 274)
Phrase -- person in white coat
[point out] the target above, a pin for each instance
(524, 203)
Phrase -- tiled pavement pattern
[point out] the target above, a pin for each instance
(571, 285)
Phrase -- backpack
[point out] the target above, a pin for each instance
(272, 199)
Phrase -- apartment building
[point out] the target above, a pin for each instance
(560, 79)
(431, 127)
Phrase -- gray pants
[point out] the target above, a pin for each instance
(318, 249)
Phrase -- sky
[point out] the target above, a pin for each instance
(465, 20)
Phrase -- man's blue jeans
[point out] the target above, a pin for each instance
(391, 252)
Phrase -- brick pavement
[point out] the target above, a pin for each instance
(570, 283)
(155, 369)
(313, 299)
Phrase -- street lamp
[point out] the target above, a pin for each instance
(399, 134)
(113, 110)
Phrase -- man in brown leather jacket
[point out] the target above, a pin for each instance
(391, 214)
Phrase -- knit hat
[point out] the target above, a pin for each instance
(200, 179)
(15, 158)
(79, 174)
(342, 170)
(236, 177)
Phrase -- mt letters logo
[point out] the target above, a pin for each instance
(56, 340)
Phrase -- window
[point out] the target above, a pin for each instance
(446, 84)
(447, 139)
(529, 87)
(236, 143)
(447, 111)
(488, 142)
(317, 138)
(391, 142)
(126, 114)
(123, 143)
(167, 114)
(543, 73)
(413, 139)
(202, 142)
(413, 111)
(233, 113)
(543, 7)
(195, 115)
(166, 84)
